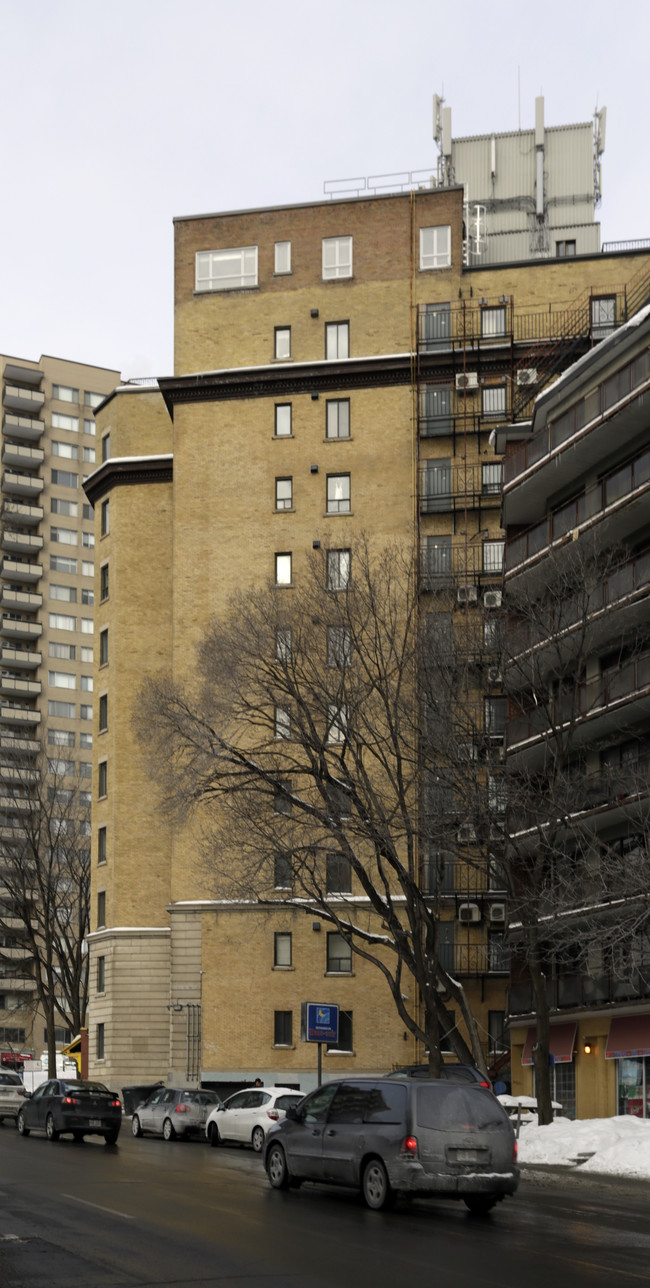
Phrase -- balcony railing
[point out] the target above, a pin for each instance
(588, 701)
(22, 427)
(580, 990)
(461, 564)
(446, 488)
(474, 960)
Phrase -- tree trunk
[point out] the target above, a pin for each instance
(542, 1052)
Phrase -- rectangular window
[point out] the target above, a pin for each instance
(60, 767)
(99, 1042)
(283, 1028)
(337, 722)
(497, 793)
(103, 712)
(339, 647)
(86, 683)
(103, 647)
(282, 949)
(284, 494)
(337, 258)
(66, 651)
(226, 270)
(338, 569)
(281, 801)
(87, 626)
(67, 593)
(63, 478)
(101, 844)
(106, 447)
(436, 485)
(59, 506)
(70, 423)
(493, 556)
(283, 643)
(88, 539)
(61, 563)
(495, 714)
(283, 257)
(435, 411)
(435, 247)
(282, 872)
(93, 400)
(497, 1038)
(101, 975)
(436, 561)
(337, 340)
(85, 740)
(282, 342)
(69, 450)
(337, 422)
(86, 653)
(103, 582)
(102, 778)
(435, 327)
(65, 536)
(493, 400)
(603, 316)
(64, 710)
(89, 455)
(85, 712)
(101, 908)
(89, 427)
(61, 680)
(64, 393)
(283, 569)
(87, 595)
(493, 322)
(87, 568)
(338, 493)
(105, 518)
(339, 954)
(85, 770)
(282, 722)
(61, 737)
(283, 420)
(491, 478)
(345, 1033)
(60, 622)
(565, 249)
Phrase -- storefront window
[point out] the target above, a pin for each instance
(634, 1086)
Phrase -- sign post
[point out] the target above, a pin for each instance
(319, 1022)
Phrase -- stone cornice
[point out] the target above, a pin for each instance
(127, 470)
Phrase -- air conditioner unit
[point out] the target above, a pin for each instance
(527, 376)
(466, 834)
(492, 599)
(469, 913)
(466, 381)
(494, 675)
(467, 595)
(497, 912)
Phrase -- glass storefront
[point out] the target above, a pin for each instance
(633, 1078)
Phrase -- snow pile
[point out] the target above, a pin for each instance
(618, 1146)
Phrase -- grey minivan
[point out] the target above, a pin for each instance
(398, 1136)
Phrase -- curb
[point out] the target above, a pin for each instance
(571, 1173)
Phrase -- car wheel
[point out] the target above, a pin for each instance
(50, 1130)
(168, 1130)
(276, 1168)
(111, 1136)
(136, 1129)
(480, 1204)
(213, 1135)
(20, 1124)
(375, 1185)
(257, 1139)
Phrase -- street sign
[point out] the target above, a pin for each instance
(319, 1022)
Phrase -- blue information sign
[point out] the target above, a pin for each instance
(320, 1022)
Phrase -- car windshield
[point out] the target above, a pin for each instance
(443, 1105)
(84, 1089)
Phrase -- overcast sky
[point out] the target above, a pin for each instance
(118, 116)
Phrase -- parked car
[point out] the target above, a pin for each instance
(173, 1112)
(398, 1136)
(12, 1095)
(247, 1116)
(450, 1073)
(80, 1107)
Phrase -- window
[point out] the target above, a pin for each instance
(87, 626)
(60, 767)
(59, 506)
(101, 975)
(63, 478)
(85, 712)
(345, 1038)
(493, 322)
(339, 954)
(435, 411)
(282, 872)
(337, 340)
(89, 426)
(283, 643)
(281, 801)
(283, 569)
(493, 556)
(103, 581)
(282, 1028)
(491, 478)
(86, 683)
(85, 770)
(226, 270)
(68, 593)
(103, 647)
(87, 596)
(61, 563)
(281, 949)
(495, 713)
(338, 802)
(66, 536)
(105, 518)
(103, 712)
(337, 258)
(85, 740)
(88, 539)
(603, 316)
(493, 400)
(101, 844)
(338, 569)
(106, 447)
(565, 249)
(498, 952)
(284, 494)
(338, 493)
(87, 568)
(70, 423)
(102, 778)
(99, 1041)
(282, 722)
(60, 622)
(337, 420)
(338, 878)
(339, 646)
(92, 399)
(435, 327)
(89, 455)
(61, 737)
(101, 908)
(436, 485)
(66, 651)
(497, 793)
(64, 393)
(283, 257)
(337, 722)
(283, 420)
(436, 562)
(435, 247)
(69, 450)
(497, 1039)
(61, 680)
(64, 710)
(282, 342)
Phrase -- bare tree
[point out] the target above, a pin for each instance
(309, 745)
(45, 883)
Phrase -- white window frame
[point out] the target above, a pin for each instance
(226, 270)
(337, 341)
(283, 417)
(338, 499)
(337, 258)
(283, 568)
(435, 247)
(282, 343)
(493, 400)
(337, 418)
(282, 260)
(284, 493)
(338, 569)
(281, 722)
(337, 723)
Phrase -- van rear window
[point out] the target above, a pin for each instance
(386, 1103)
(442, 1106)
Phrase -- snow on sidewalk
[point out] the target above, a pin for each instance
(617, 1146)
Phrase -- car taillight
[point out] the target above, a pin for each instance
(486, 1084)
(273, 1115)
(410, 1146)
(20, 1090)
(515, 1151)
(182, 1109)
(115, 1104)
(70, 1100)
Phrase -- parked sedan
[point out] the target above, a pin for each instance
(12, 1094)
(247, 1116)
(81, 1108)
(173, 1112)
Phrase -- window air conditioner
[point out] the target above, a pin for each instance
(527, 376)
(466, 381)
(492, 599)
(497, 912)
(466, 834)
(469, 913)
(467, 594)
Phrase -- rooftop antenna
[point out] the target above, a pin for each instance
(519, 98)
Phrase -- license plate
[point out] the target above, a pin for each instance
(95, 1122)
(466, 1156)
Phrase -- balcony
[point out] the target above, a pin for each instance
(19, 399)
(23, 601)
(25, 543)
(15, 484)
(19, 716)
(454, 562)
(16, 373)
(22, 427)
(443, 488)
(10, 687)
(14, 627)
(576, 991)
(22, 458)
(20, 658)
(12, 745)
(445, 876)
(19, 570)
(17, 982)
(474, 960)
(21, 805)
(20, 775)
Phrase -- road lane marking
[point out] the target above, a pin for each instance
(98, 1206)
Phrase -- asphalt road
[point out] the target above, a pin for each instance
(146, 1213)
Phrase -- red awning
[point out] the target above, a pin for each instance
(561, 1043)
(629, 1035)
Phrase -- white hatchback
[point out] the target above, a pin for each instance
(247, 1116)
(12, 1095)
